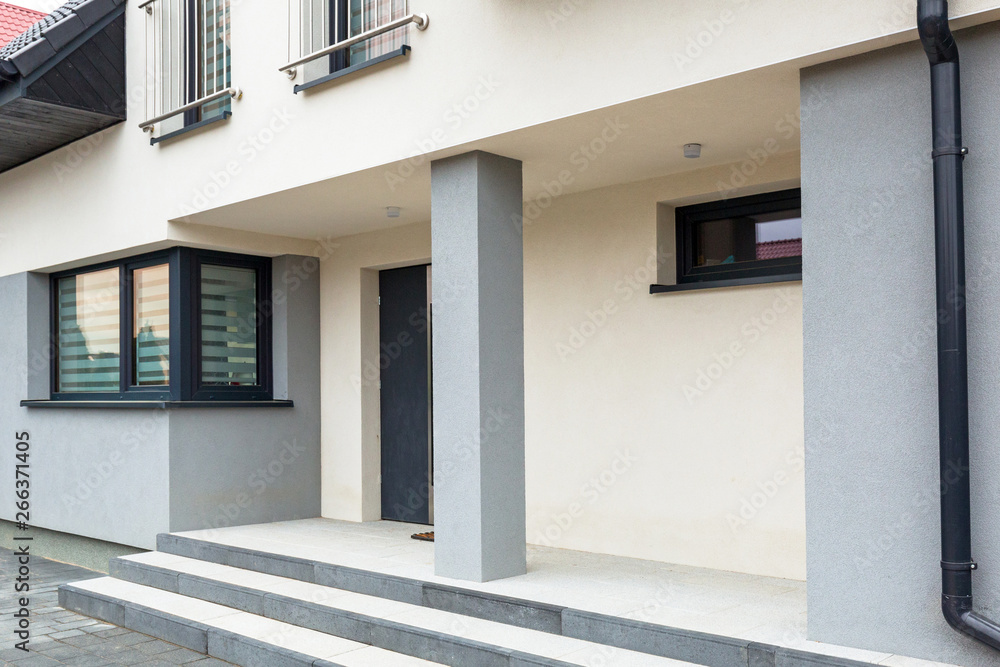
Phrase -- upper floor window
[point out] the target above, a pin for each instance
(340, 35)
(188, 64)
(177, 325)
(749, 238)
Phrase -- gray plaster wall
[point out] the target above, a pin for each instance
(870, 350)
(254, 465)
(102, 474)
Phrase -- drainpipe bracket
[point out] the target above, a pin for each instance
(953, 150)
(959, 567)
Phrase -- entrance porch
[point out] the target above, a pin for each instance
(689, 613)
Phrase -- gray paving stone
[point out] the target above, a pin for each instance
(111, 632)
(370, 583)
(92, 605)
(319, 617)
(518, 659)
(534, 615)
(685, 645)
(138, 573)
(175, 630)
(84, 640)
(127, 656)
(131, 638)
(229, 595)
(99, 627)
(207, 662)
(180, 656)
(252, 653)
(12, 654)
(35, 660)
(58, 651)
(88, 661)
(156, 646)
(76, 625)
(436, 647)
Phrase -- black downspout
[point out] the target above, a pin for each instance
(953, 393)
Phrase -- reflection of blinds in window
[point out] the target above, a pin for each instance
(370, 14)
(228, 325)
(152, 325)
(215, 55)
(89, 332)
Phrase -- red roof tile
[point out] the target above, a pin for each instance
(779, 249)
(14, 20)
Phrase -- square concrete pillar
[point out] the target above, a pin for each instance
(478, 365)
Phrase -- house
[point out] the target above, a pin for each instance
(660, 283)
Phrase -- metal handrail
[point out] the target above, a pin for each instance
(422, 20)
(231, 91)
(146, 3)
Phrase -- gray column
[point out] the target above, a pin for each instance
(478, 302)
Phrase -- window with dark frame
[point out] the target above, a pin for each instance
(745, 240)
(363, 15)
(179, 325)
(208, 58)
(347, 18)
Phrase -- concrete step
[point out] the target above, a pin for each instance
(679, 644)
(441, 636)
(220, 631)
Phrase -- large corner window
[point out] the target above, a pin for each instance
(177, 325)
(188, 65)
(750, 239)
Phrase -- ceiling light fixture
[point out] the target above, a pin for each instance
(692, 151)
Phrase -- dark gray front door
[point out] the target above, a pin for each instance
(404, 332)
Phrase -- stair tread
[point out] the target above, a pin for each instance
(317, 645)
(534, 642)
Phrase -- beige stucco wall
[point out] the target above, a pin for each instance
(349, 358)
(629, 449)
(650, 419)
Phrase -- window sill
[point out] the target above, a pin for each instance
(153, 405)
(717, 284)
(378, 60)
(190, 128)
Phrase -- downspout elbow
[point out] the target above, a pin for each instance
(956, 609)
(960, 616)
(935, 32)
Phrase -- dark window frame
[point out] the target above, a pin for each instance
(340, 17)
(749, 272)
(264, 387)
(185, 329)
(126, 391)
